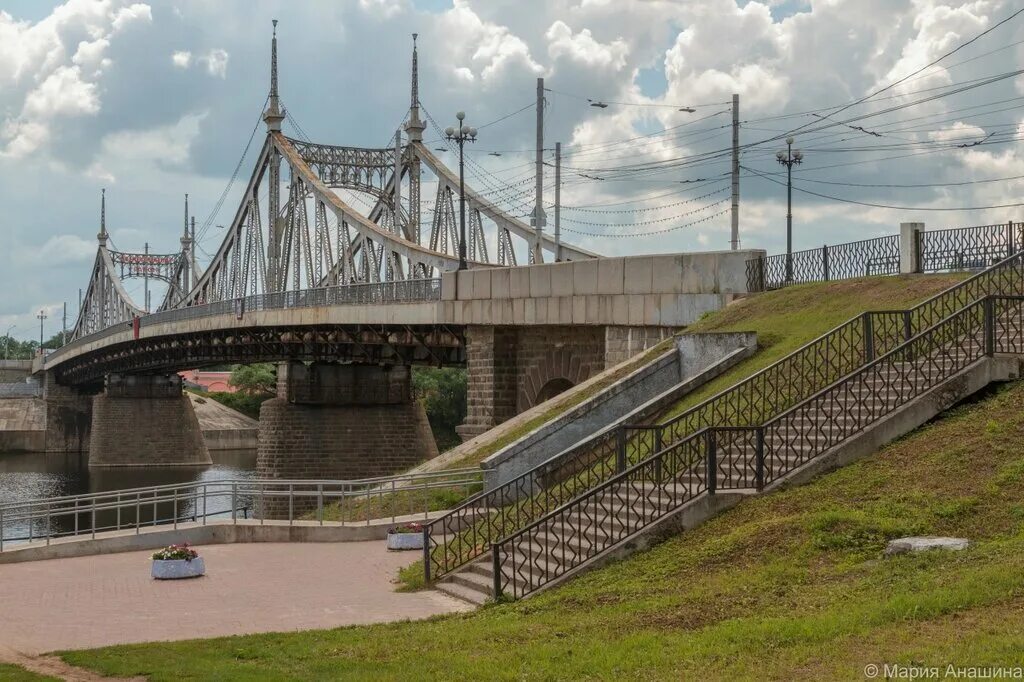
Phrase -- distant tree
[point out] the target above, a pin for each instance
(443, 395)
(259, 379)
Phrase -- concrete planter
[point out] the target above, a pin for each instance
(405, 541)
(176, 569)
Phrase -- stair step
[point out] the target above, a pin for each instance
(462, 592)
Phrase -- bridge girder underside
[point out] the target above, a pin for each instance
(435, 345)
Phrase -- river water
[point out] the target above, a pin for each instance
(30, 476)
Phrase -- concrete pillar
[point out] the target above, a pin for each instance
(340, 422)
(145, 420)
(68, 416)
(491, 382)
(909, 258)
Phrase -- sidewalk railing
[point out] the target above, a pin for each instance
(467, 531)
(318, 501)
(377, 293)
(962, 248)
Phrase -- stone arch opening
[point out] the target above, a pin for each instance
(552, 388)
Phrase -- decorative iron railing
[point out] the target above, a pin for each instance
(333, 501)
(879, 256)
(964, 248)
(467, 532)
(750, 457)
(377, 293)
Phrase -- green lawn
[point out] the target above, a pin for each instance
(789, 318)
(790, 585)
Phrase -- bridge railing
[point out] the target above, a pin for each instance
(362, 501)
(962, 248)
(376, 293)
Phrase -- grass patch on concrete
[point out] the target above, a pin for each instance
(790, 585)
(399, 503)
(789, 318)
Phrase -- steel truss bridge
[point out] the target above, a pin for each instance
(292, 233)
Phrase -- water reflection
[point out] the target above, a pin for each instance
(29, 476)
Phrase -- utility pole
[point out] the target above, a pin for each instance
(735, 241)
(460, 135)
(538, 195)
(558, 202)
(192, 240)
(64, 325)
(145, 279)
(789, 158)
(41, 316)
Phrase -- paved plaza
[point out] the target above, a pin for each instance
(94, 601)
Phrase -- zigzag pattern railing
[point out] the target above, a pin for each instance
(750, 457)
(936, 251)
(467, 532)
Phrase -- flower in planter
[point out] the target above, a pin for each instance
(407, 528)
(176, 553)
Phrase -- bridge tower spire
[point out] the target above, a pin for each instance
(102, 236)
(273, 115)
(415, 127)
(186, 253)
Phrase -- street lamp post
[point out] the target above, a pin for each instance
(789, 158)
(41, 316)
(461, 134)
(7, 338)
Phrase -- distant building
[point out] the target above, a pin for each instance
(208, 381)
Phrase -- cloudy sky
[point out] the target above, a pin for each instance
(154, 99)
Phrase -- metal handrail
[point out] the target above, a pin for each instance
(967, 349)
(135, 508)
(374, 293)
(866, 326)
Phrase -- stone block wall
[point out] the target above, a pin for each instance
(622, 343)
(491, 390)
(340, 442)
(512, 369)
(134, 431)
(68, 416)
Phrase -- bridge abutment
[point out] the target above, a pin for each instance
(514, 368)
(145, 420)
(340, 422)
(68, 416)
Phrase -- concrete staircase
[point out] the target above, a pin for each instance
(542, 529)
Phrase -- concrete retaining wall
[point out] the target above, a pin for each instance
(695, 360)
(14, 371)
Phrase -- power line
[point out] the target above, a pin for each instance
(874, 205)
(653, 232)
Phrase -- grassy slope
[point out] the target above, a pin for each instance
(787, 319)
(786, 586)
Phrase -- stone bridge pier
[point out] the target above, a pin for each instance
(145, 420)
(332, 421)
(68, 416)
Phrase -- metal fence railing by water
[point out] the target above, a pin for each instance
(356, 501)
(750, 457)
(376, 293)
(466, 533)
(963, 248)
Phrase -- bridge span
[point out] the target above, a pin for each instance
(346, 302)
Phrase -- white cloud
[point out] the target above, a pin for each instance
(156, 149)
(65, 248)
(216, 61)
(582, 47)
(182, 59)
(48, 72)
(489, 51)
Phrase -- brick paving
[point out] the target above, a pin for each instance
(92, 601)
